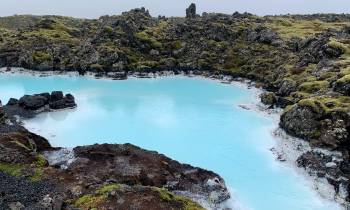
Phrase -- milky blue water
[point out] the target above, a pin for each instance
(192, 120)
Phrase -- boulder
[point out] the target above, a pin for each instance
(56, 96)
(286, 87)
(301, 121)
(191, 11)
(30, 105)
(268, 98)
(283, 102)
(33, 102)
(12, 102)
(342, 85)
(66, 102)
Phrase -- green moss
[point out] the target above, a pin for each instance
(108, 29)
(12, 169)
(189, 204)
(108, 188)
(167, 196)
(164, 194)
(37, 175)
(41, 161)
(299, 95)
(339, 45)
(145, 37)
(314, 86)
(96, 67)
(322, 104)
(88, 202)
(288, 27)
(345, 79)
(177, 45)
(314, 104)
(22, 145)
(41, 56)
(51, 36)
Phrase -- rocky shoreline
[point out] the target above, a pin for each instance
(35, 175)
(304, 71)
(292, 149)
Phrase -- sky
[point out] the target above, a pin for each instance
(97, 8)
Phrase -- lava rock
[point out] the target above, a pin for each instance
(12, 102)
(301, 121)
(2, 115)
(56, 96)
(268, 98)
(33, 102)
(191, 11)
(133, 165)
(286, 87)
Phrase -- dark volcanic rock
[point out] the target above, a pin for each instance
(268, 98)
(29, 105)
(2, 115)
(335, 170)
(21, 146)
(301, 121)
(191, 11)
(309, 120)
(56, 96)
(33, 102)
(62, 102)
(286, 87)
(129, 164)
(343, 86)
(12, 102)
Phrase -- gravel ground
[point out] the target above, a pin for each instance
(28, 194)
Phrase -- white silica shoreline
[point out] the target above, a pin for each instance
(286, 148)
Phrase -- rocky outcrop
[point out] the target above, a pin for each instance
(128, 164)
(30, 105)
(302, 121)
(268, 98)
(191, 11)
(310, 120)
(2, 115)
(333, 168)
(343, 85)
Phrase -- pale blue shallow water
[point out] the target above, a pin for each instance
(192, 120)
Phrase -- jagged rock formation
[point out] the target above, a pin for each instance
(191, 11)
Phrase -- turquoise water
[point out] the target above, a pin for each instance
(192, 120)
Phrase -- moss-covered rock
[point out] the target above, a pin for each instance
(268, 98)
(342, 85)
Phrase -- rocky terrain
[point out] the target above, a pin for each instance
(34, 175)
(302, 61)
